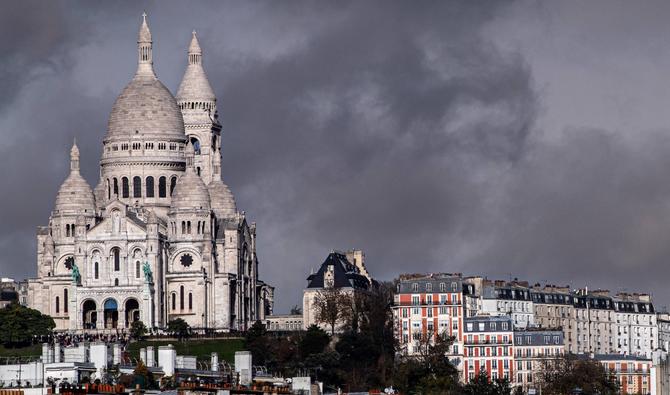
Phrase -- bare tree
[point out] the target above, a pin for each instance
(328, 307)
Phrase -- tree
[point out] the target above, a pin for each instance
(564, 374)
(178, 327)
(429, 371)
(18, 324)
(296, 310)
(314, 341)
(481, 385)
(257, 341)
(327, 306)
(138, 330)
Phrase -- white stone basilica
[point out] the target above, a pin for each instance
(160, 237)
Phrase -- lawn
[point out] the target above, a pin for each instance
(34, 350)
(202, 349)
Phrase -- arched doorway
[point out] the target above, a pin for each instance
(89, 315)
(132, 312)
(111, 314)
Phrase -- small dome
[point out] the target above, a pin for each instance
(75, 196)
(190, 193)
(223, 201)
(145, 106)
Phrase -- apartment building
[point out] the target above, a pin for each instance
(487, 347)
(427, 306)
(633, 373)
(636, 325)
(531, 348)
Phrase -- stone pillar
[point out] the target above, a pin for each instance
(243, 364)
(146, 311)
(99, 357)
(143, 356)
(166, 359)
(46, 351)
(57, 355)
(100, 319)
(73, 312)
(151, 358)
(215, 362)
(116, 353)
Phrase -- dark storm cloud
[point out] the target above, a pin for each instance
(397, 128)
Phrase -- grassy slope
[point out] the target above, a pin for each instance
(202, 349)
(34, 350)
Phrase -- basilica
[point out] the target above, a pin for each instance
(160, 236)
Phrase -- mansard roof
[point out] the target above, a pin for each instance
(346, 274)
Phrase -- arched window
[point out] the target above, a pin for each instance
(57, 304)
(137, 187)
(190, 301)
(188, 227)
(181, 297)
(137, 269)
(161, 187)
(65, 299)
(150, 186)
(173, 183)
(183, 227)
(117, 259)
(67, 230)
(124, 187)
(116, 187)
(196, 145)
(109, 190)
(174, 301)
(116, 282)
(197, 170)
(95, 270)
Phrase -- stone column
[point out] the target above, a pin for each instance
(116, 353)
(215, 362)
(57, 356)
(73, 312)
(146, 311)
(143, 355)
(151, 359)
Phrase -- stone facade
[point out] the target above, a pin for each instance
(160, 237)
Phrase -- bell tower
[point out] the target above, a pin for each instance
(197, 102)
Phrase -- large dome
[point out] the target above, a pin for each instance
(145, 106)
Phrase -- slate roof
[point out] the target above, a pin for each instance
(346, 274)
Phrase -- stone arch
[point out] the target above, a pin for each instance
(182, 262)
(89, 314)
(111, 313)
(132, 311)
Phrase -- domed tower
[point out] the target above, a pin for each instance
(197, 102)
(74, 200)
(143, 150)
(190, 238)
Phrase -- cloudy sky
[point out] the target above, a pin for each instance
(509, 139)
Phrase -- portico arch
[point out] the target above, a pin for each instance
(89, 314)
(111, 313)
(132, 307)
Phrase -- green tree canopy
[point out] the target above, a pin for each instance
(314, 341)
(565, 374)
(138, 330)
(18, 324)
(178, 327)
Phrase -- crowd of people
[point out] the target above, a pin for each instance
(67, 339)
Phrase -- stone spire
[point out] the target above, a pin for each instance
(194, 51)
(74, 157)
(144, 49)
(195, 92)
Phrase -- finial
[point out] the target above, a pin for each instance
(144, 49)
(194, 50)
(74, 156)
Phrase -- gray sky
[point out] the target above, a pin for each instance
(510, 139)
